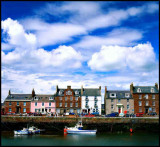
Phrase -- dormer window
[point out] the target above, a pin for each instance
(36, 98)
(76, 92)
(127, 94)
(60, 92)
(152, 90)
(112, 94)
(50, 98)
(139, 90)
(69, 92)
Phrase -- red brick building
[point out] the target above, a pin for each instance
(17, 103)
(146, 98)
(68, 100)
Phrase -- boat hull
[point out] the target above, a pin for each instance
(20, 132)
(81, 131)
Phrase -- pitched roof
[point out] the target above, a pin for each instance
(91, 92)
(145, 89)
(44, 98)
(119, 94)
(19, 97)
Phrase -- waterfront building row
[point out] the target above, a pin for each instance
(87, 100)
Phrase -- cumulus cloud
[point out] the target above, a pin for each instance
(140, 57)
(17, 35)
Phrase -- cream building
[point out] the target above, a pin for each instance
(118, 101)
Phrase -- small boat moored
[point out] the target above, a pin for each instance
(78, 129)
(24, 131)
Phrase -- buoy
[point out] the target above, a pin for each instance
(131, 130)
(65, 131)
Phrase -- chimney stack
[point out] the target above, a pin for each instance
(100, 90)
(105, 92)
(82, 90)
(131, 88)
(156, 85)
(68, 87)
(9, 92)
(56, 88)
(33, 93)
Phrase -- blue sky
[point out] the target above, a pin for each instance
(47, 43)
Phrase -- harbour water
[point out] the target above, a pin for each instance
(139, 138)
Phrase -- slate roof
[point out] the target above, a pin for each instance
(19, 97)
(120, 94)
(145, 89)
(44, 98)
(91, 92)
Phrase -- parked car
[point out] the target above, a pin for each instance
(89, 115)
(121, 114)
(129, 115)
(114, 114)
(152, 113)
(71, 113)
(139, 114)
(95, 113)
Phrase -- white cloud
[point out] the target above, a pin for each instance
(119, 36)
(17, 35)
(140, 57)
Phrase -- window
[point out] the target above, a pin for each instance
(24, 103)
(111, 100)
(58, 110)
(76, 104)
(70, 104)
(87, 98)
(153, 103)
(10, 103)
(71, 98)
(153, 109)
(112, 106)
(140, 109)
(69, 92)
(36, 98)
(49, 103)
(65, 104)
(146, 96)
(65, 98)
(119, 100)
(76, 98)
(35, 103)
(50, 98)
(78, 110)
(112, 94)
(127, 106)
(71, 110)
(97, 110)
(76, 92)
(127, 100)
(60, 104)
(24, 109)
(17, 103)
(146, 103)
(152, 90)
(140, 96)
(153, 96)
(139, 90)
(140, 103)
(60, 92)
(127, 94)
(60, 98)
(10, 110)
(42, 103)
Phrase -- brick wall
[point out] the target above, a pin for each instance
(143, 100)
(14, 106)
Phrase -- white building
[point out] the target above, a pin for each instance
(91, 100)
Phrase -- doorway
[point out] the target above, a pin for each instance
(146, 110)
(119, 109)
(18, 110)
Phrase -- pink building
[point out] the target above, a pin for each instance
(43, 104)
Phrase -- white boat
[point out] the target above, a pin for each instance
(78, 129)
(24, 131)
(33, 130)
